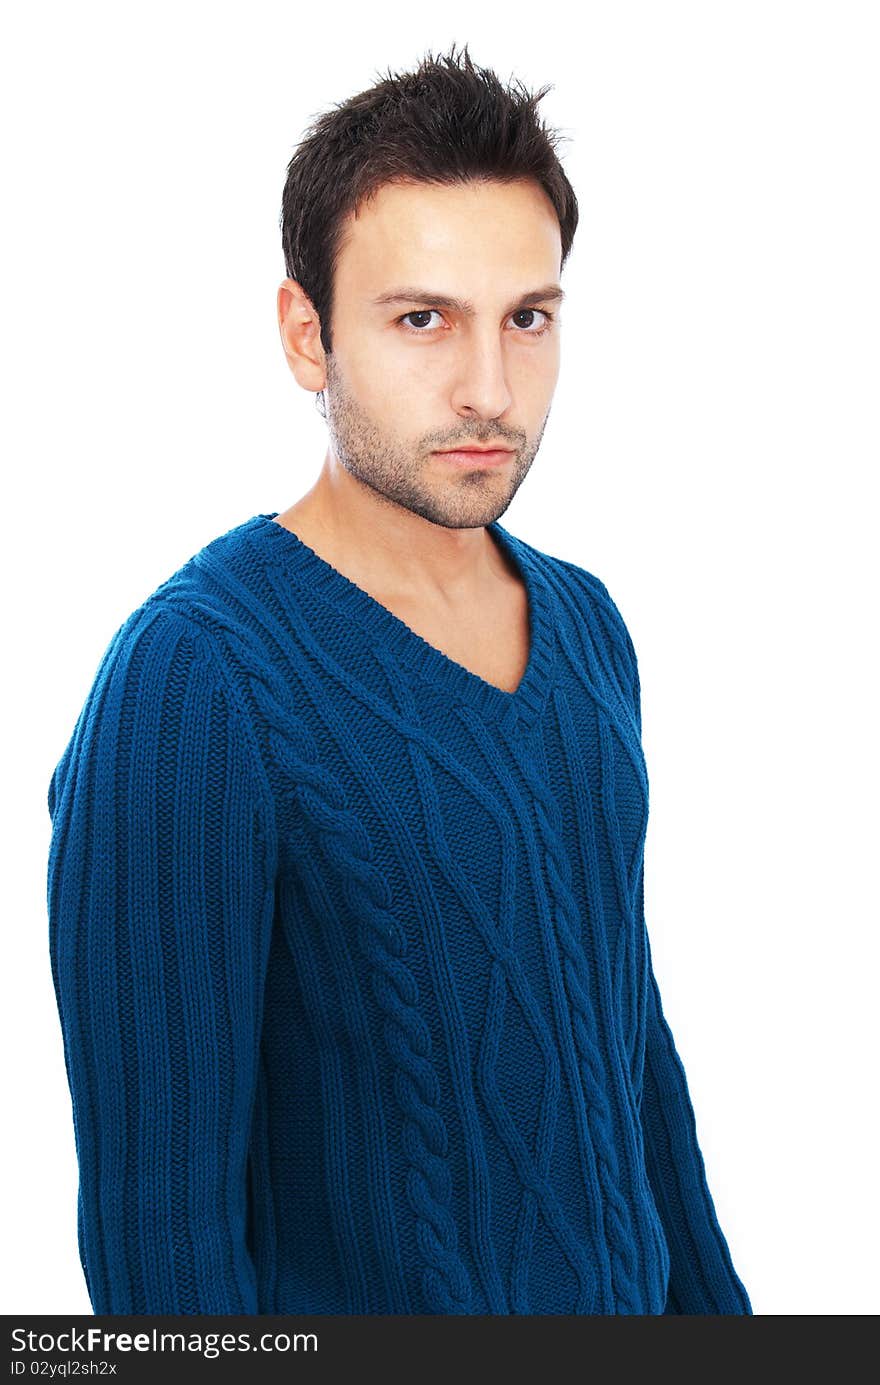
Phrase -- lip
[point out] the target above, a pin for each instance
(477, 456)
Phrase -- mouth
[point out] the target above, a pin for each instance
(477, 456)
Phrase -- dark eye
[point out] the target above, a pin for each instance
(530, 313)
(418, 313)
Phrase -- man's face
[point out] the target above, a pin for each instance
(409, 377)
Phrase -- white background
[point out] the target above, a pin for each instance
(710, 455)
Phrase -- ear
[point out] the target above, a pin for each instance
(300, 329)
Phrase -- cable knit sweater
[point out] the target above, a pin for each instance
(349, 950)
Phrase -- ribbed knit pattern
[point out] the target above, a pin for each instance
(349, 949)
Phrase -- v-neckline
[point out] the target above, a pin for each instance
(524, 704)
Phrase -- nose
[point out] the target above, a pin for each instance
(481, 385)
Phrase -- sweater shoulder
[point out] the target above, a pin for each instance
(164, 667)
(580, 593)
(219, 602)
(590, 594)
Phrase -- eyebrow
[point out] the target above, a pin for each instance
(549, 293)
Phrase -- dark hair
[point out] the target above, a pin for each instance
(447, 122)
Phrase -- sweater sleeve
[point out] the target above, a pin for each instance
(702, 1279)
(160, 900)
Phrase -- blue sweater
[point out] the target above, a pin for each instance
(349, 950)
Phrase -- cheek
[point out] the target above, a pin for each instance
(534, 370)
(389, 366)
(411, 382)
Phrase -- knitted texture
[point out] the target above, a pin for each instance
(349, 949)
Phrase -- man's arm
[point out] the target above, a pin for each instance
(702, 1279)
(160, 903)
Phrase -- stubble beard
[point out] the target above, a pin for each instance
(463, 500)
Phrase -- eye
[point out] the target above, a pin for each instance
(530, 312)
(421, 327)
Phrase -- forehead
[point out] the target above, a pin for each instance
(463, 236)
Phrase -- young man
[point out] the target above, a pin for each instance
(345, 887)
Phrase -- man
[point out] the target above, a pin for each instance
(345, 887)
